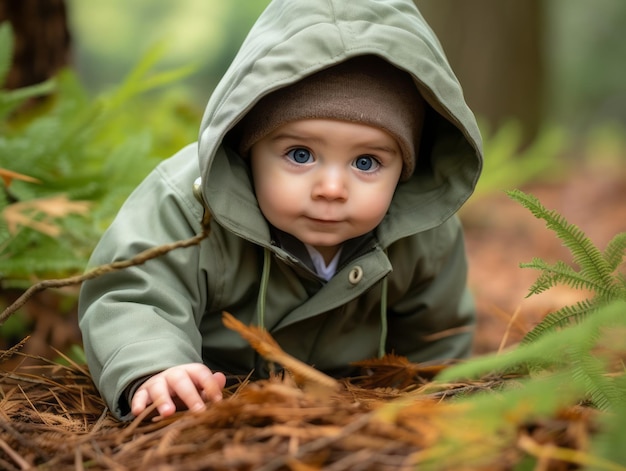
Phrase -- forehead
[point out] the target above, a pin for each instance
(330, 131)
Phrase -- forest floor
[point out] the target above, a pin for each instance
(52, 416)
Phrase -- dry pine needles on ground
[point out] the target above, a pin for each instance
(52, 417)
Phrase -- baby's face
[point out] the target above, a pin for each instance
(325, 181)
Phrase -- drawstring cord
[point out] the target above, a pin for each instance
(265, 275)
(383, 318)
(260, 305)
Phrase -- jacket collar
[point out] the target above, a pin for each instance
(352, 248)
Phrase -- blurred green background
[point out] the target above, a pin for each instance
(581, 46)
(109, 37)
(99, 91)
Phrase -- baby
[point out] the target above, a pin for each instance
(333, 156)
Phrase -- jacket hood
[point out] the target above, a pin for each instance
(296, 38)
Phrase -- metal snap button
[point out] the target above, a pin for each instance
(355, 275)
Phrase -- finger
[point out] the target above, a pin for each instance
(187, 391)
(211, 384)
(219, 380)
(159, 394)
(139, 402)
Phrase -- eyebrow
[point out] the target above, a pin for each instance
(387, 149)
(295, 137)
(303, 137)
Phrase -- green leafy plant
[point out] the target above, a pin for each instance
(558, 371)
(596, 271)
(68, 160)
(575, 356)
(509, 163)
(69, 163)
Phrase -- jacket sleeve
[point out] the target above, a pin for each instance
(433, 318)
(143, 319)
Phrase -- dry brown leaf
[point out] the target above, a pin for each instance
(26, 213)
(268, 348)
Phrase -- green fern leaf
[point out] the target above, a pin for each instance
(615, 251)
(588, 257)
(568, 353)
(546, 353)
(554, 274)
(564, 317)
(91, 150)
(620, 282)
(589, 371)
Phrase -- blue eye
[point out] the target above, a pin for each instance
(300, 155)
(366, 163)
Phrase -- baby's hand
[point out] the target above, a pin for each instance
(192, 383)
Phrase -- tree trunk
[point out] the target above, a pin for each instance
(42, 39)
(495, 48)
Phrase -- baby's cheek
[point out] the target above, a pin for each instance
(373, 210)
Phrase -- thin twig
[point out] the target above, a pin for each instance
(512, 321)
(139, 259)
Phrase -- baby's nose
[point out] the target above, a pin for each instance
(331, 184)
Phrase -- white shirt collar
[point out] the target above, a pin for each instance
(324, 271)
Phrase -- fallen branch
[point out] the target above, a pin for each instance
(139, 259)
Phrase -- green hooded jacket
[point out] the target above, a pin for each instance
(403, 287)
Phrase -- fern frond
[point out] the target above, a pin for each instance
(552, 351)
(554, 274)
(23, 260)
(615, 251)
(547, 353)
(589, 371)
(586, 255)
(564, 317)
(620, 282)
(94, 150)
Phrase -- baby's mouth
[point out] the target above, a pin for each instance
(324, 221)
